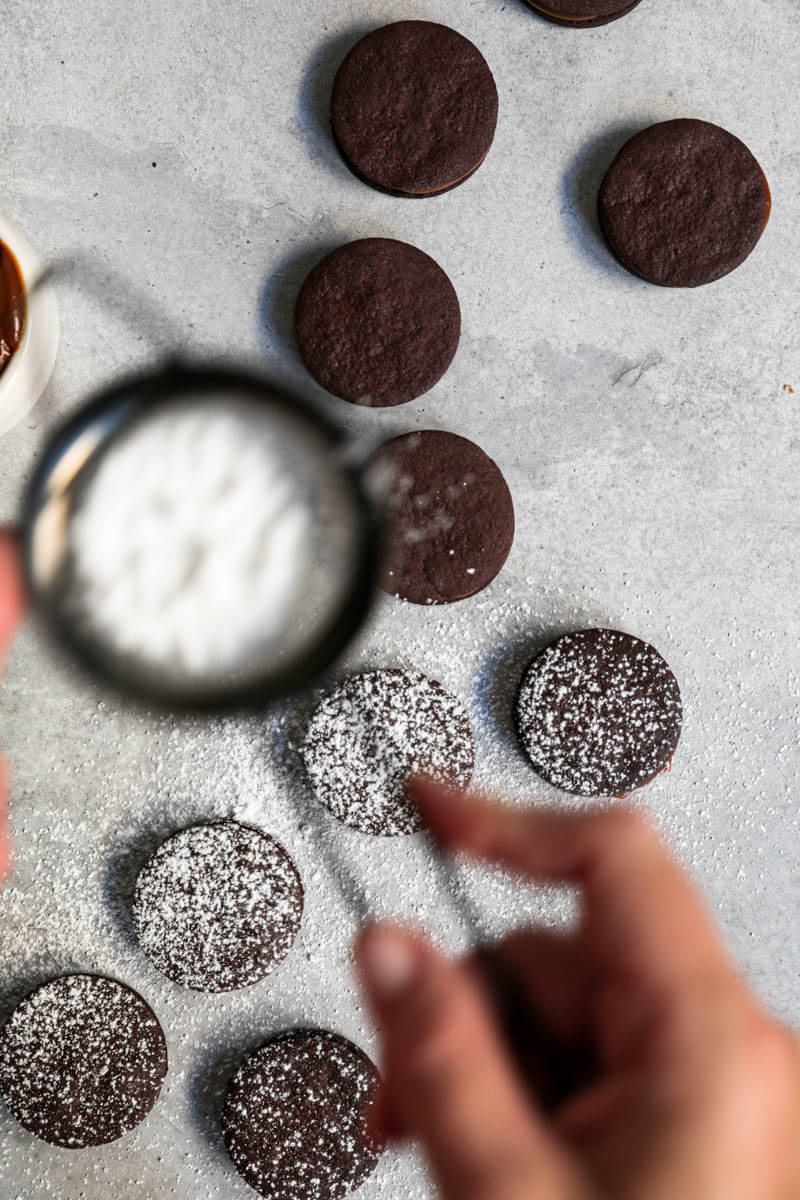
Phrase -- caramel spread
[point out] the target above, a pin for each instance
(13, 306)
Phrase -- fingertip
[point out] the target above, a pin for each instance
(389, 960)
(449, 1081)
(444, 809)
(427, 791)
(423, 780)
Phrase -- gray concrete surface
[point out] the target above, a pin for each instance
(646, 434)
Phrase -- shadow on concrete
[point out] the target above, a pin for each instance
(286, 738)
(501, 672)
(579, 190)
(278, 297)
(119, 878)
(34, 973)
(213, 1068)
(314, 100)
(128, 856)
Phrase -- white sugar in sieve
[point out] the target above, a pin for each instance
(200, 540)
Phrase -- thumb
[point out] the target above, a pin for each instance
(448, 1078)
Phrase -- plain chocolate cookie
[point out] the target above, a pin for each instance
(414, 108)
(683, 203)
(582, 14)
(82, 1060)
(599, 713)
(372, 734)
(377, 322)
(218, 906)
(451, 514)
(295, 1117)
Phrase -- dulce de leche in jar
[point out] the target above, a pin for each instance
(13, 306)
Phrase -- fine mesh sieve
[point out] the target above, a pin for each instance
(200, 539)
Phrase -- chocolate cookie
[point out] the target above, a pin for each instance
(377, 322)
(295, 1117)
(582, 14)
(414, 108)
(82, 1060)
(599, 713)
(218, 906)
(683, 203)
(375, 731)
(452, 517)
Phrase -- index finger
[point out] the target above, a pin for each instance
(641, 914)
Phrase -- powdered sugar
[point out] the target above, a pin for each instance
(189, 544)
(93, 783)
(295, 1118)
(599, 712)
(81, 1061)
(218, 906)
(372, 734)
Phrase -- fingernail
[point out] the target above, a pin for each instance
(390, 961)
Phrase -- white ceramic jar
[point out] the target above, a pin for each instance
(25, 376)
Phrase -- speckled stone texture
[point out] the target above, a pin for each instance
(644, 432)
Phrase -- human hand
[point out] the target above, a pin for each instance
(696, 1090)
(12, 604)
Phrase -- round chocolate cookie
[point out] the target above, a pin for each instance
(582, 14)
(452, 517)
(377, 322)
(599, 713)
(218, 906)
(82, 1060)
(372, 734)
(295, 1117)
(683, 203)
(414, 108)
